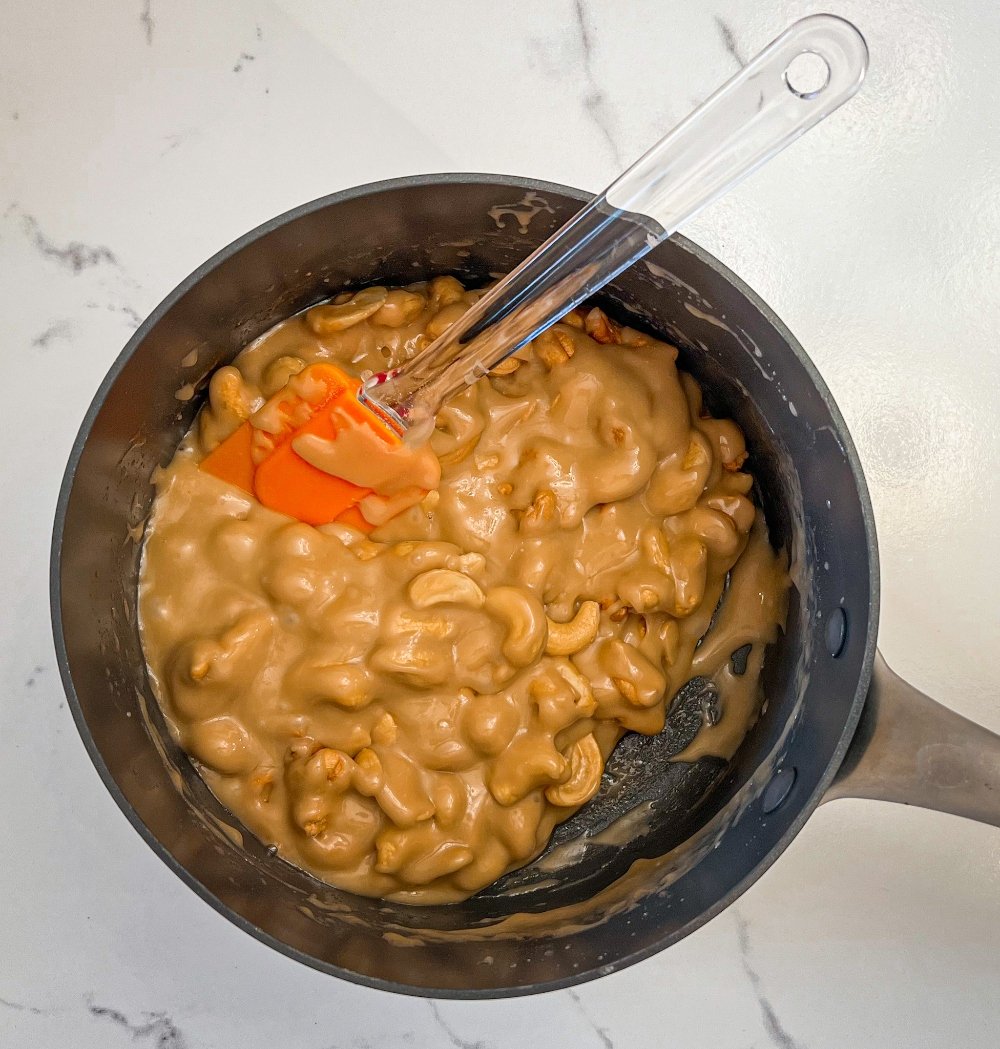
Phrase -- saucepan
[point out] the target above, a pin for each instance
(836, 721)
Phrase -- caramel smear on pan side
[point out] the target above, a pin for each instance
(409, 712)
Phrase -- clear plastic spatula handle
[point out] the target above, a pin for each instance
(815, 66)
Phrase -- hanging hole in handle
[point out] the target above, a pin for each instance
(807, 74)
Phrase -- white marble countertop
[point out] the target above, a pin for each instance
(139, 136)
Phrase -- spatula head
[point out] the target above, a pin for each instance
(259, 456)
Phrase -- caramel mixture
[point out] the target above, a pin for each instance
(409, 714)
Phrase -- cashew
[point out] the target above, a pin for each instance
(418, 660)
(689, 565)
(585, 767)
(541, 511)
(456, 455)
(367, 772)
(543, 689)
(732, 465)
(347, 685)
(554, 347)
(223, 744)
(326, 320)
(524, 616)
(715, 529)
(400, 307)
(443, 291)
(431, 624)
(468, 564)
(670, 637)
(507, 366)
(676, 485)
(599, 326)
(314, 828)
(640, 682)
(279, 371)
(635, 339)
(441, 586)
(565, 639)
(737, 507)
(531, 761)
(654, 545)
(490, 722)
(365, 549)
(444, 319)
(383, 731)
(697, 456)
(228, 394)
(627, 689)
(261, 783)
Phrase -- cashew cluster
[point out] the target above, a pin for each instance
(409, 713)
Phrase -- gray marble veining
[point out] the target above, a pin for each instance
(453, 1037)
(729, 41)
(74, 255)
(772, 1024)
(155, 1029)
(147, 21)
(603, 1035)
(595, 99)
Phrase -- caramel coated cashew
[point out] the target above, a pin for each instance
(327, 320)
(367, 773)
(279, 371)
(442, 586)
(531, 761)
(558, 709)
(689, 565)
(507, 366)
(676, 485)
(554, 347)
(443, 291)
(541, 511)
(445, 318)
(737, 507)
(601, 328)
(654, 545)
(431, 624)
(639, 681)
(384, 730)
(418, 661)
(470, 564)
(566, 639)
(227, 393)
(524, 616)
(347, 685)
(585, 767)
(223, 744)
(399, 308)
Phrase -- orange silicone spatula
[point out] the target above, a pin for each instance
(259, 458)
(801, 77)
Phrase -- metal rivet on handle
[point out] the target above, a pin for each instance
(836, 632)
(777, 790)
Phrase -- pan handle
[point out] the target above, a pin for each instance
(912, 750)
